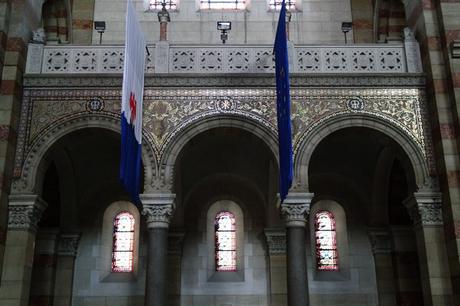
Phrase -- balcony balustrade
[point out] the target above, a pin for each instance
(168, 58)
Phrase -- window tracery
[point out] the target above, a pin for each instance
(225, 242)
(156, 5)
(326, 241)
(275, 5)
(123, 242)
(222, 4)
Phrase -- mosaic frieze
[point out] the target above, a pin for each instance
(169, 111)
(401, 107)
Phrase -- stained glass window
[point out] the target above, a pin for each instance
(222, 4)
(225, 235)
(123, 243)
(326, 242)
(276, 5)
(157, 4)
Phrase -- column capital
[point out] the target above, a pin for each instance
(24, 211)
(276, 240)
(296, 207)
(68, 244)
(425, 208)
(158, 209)
(381, 241)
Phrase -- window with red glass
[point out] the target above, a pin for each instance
(225, 242)
(326, 242)
(123, 242)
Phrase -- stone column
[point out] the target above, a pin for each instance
(295, 209)
(44, 267)
(382, 247)
(24, 212)
(175, 240)
(276, 243)
(425, 210)
(158, 210)
(65, 264)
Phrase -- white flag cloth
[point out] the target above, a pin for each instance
(131, 105)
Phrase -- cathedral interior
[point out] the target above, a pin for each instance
(373, 214)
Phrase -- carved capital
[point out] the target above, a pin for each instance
(68, 244)
(25, 210)
(296, 207)
(425, 208)
(381, 241)
(158, 209)
(276, 241)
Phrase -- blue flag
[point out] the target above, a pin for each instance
(283, 105)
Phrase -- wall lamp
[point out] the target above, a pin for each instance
(346, 27)
(163, 15)
(99, 26)
(224, 27)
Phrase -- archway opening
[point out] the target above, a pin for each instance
(225, 170)
(78, 177)
(369, 175)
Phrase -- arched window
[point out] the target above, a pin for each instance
(123, 242)
(326, 241)
(225, 238)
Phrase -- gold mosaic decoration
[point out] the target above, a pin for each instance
(169, 111)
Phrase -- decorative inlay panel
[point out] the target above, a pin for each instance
(168, 111)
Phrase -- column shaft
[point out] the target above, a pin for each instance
(382, 248)
(425, 209)
(65, 268)
(158, 209)
(276, 242)
(296, 267)
(24, 213)
(295, 208)
(155, 289)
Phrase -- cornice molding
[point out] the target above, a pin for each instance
(236, 80)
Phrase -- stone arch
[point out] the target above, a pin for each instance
(35, 159)
(314, 136)
(169, 156)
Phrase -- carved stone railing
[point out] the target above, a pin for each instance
(217, 59)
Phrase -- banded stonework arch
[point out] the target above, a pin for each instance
(35, 158)
(193, 128)
(315, 135)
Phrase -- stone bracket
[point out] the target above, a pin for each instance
(68, 244)
(381, 240)
(276, 240)
(175, 241)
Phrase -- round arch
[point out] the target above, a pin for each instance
(313, 137)
(35, 161)
(177, 143)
